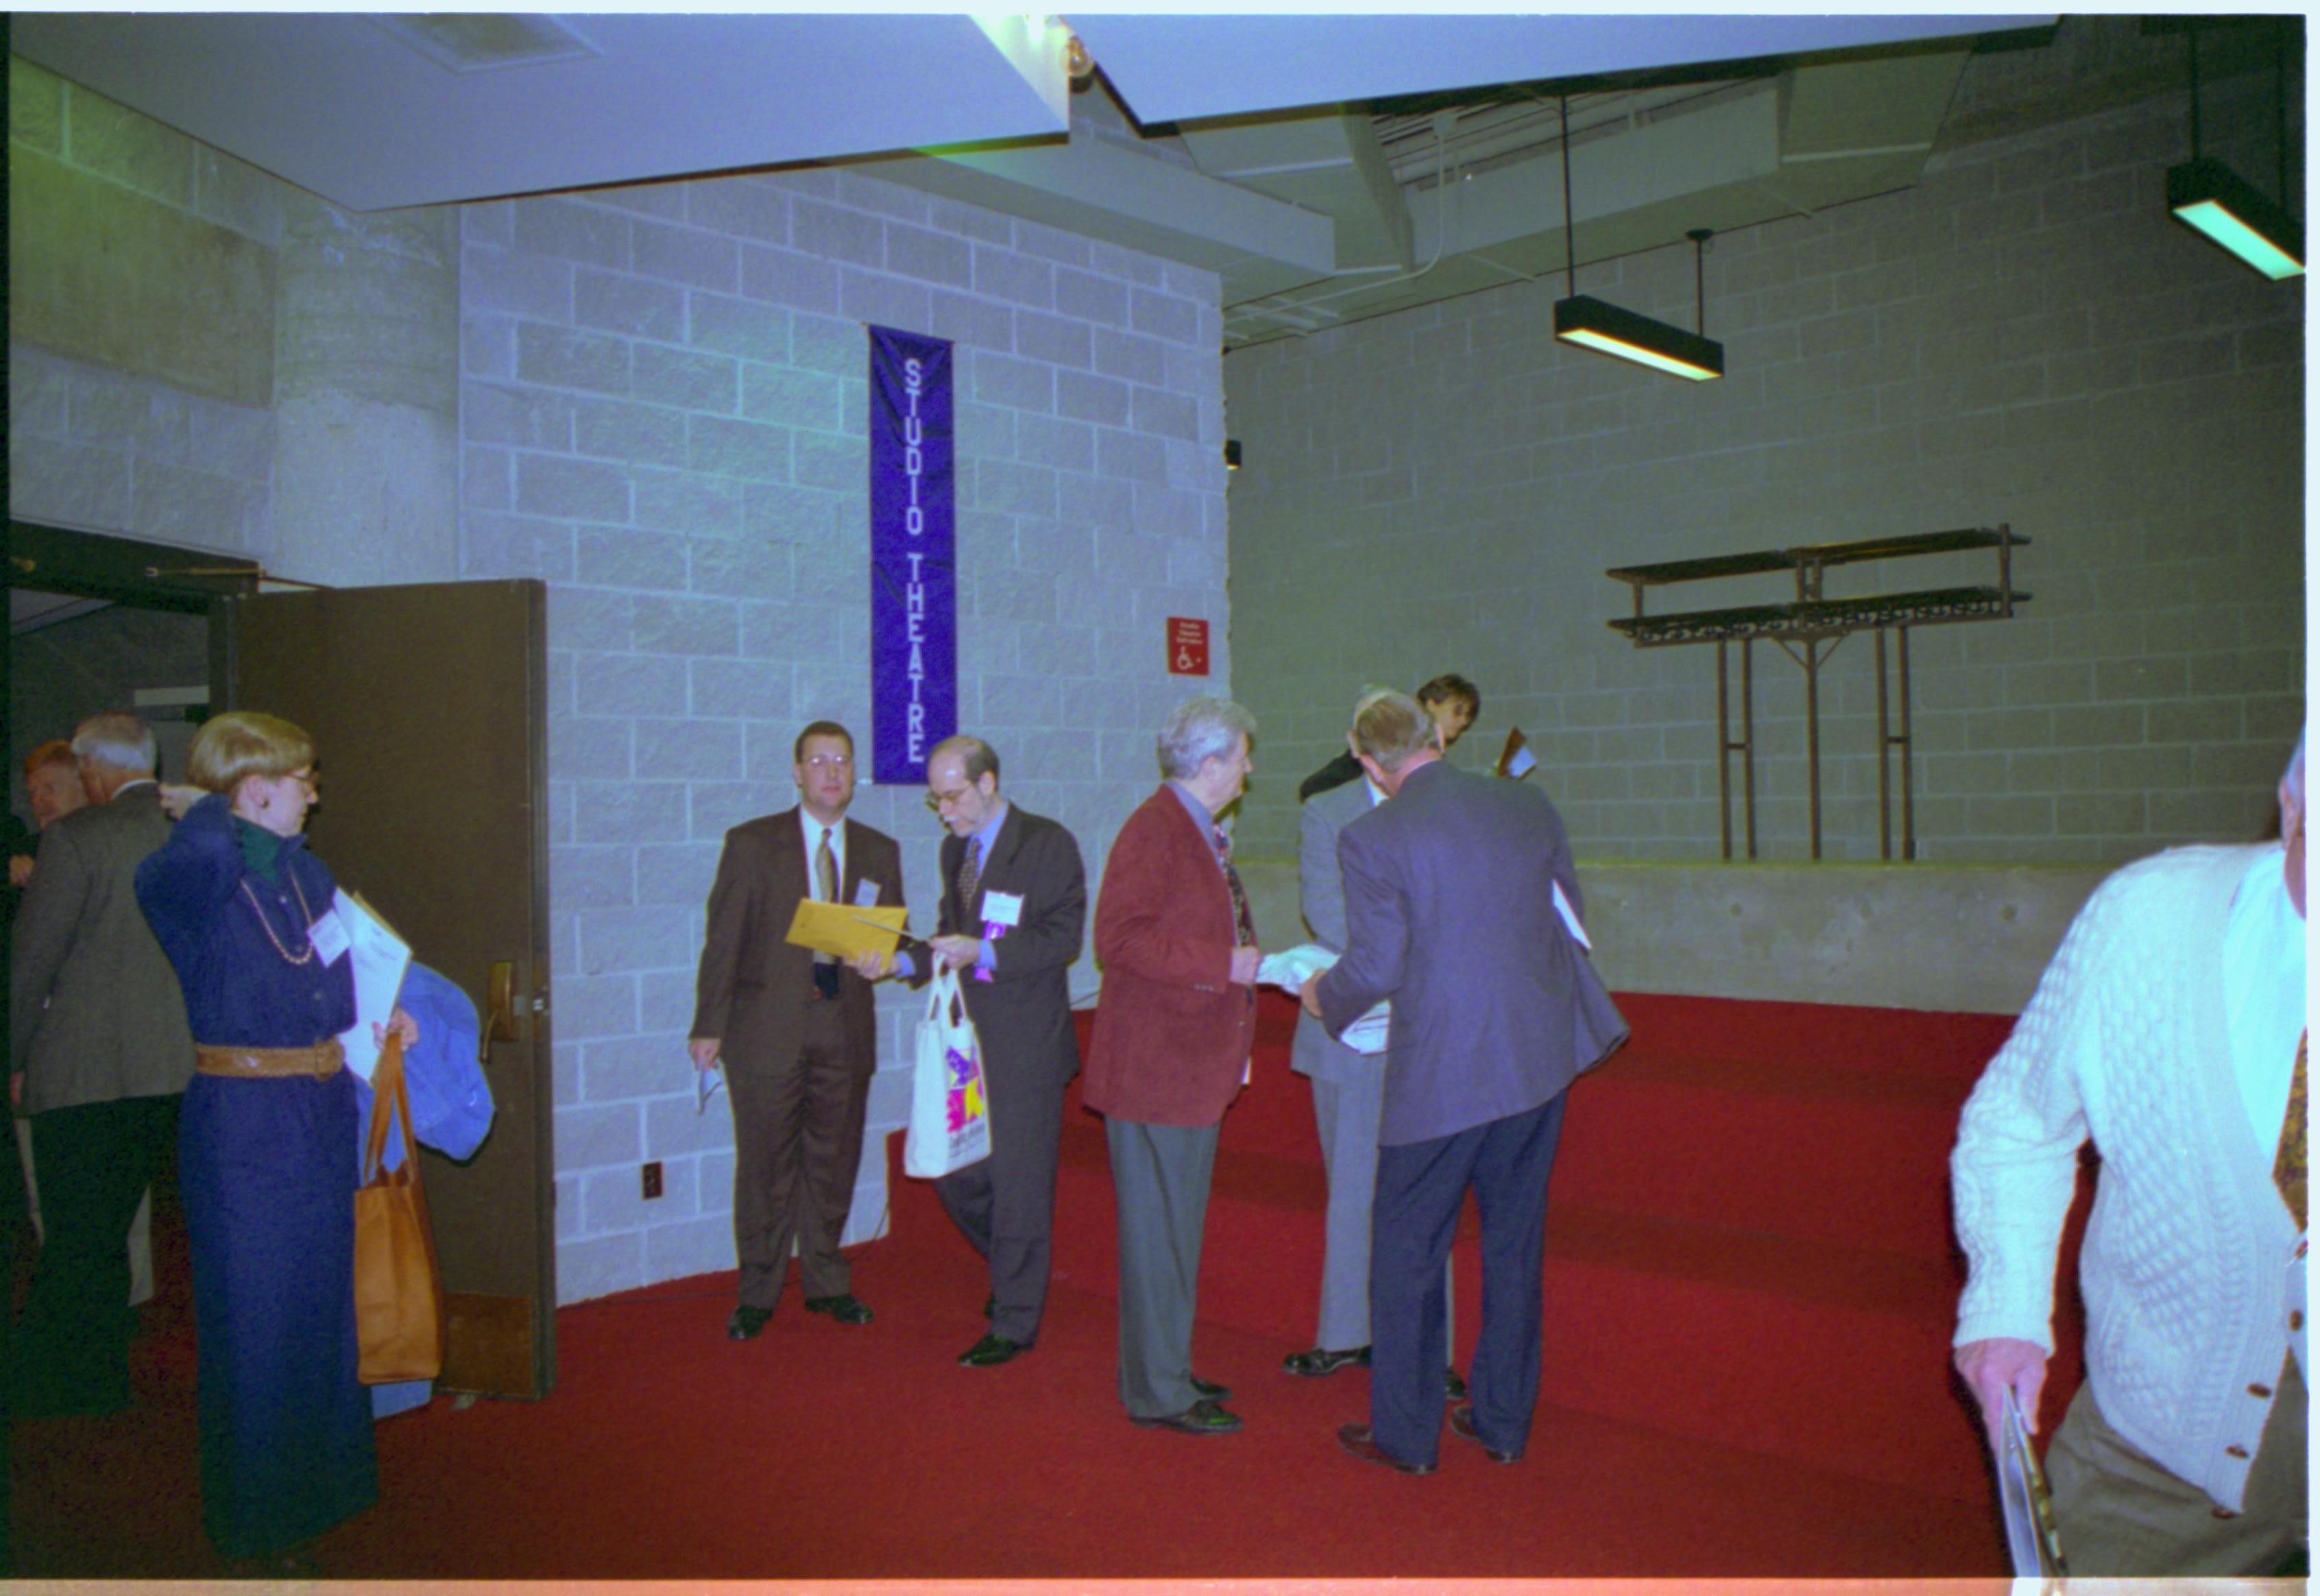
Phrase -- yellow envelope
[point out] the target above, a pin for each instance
(846, 931)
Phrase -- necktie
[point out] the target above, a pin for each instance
(825, 877)
(1244, 926)
(970, 879)
(2288, 1166)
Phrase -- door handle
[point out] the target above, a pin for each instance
(500, 1023)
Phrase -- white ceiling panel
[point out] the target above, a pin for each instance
(342, 106)
(1181, 69)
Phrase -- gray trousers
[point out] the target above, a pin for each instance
(1160, 1177)
(1005, 1204)
(1346, 1114)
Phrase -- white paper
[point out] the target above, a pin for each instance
(1003, 909)
(865, 894)
(706, 1084)
(1522, 764)
(1570, 918)
(1291, 968)
(380, 959)
(328, 936)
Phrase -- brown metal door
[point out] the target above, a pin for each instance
(427, 706)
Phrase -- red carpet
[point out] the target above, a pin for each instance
(1749, 1289)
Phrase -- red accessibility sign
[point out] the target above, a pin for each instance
(1188, 646)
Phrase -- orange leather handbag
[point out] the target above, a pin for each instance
(398, 1294)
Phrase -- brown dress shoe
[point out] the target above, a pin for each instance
(1357, 1439)
(1462, 1420)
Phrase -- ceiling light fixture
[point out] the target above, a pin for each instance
(2209, 197)
(1596, 324)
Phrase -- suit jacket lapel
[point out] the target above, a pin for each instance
(791, 879)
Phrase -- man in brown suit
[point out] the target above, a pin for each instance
(794, 1029)
(100, 1053)
(1171, 1048)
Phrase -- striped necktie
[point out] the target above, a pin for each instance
(824, 877)
(970, 880)
(2288, 1166)
(1244, 926)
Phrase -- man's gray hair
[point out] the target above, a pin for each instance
(2291, 780)
(116, 742)
(1370, 695)
(1392, 727)
(1199, 727)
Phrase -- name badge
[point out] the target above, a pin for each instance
(1003, 909)
(865, 894)
(329, 936)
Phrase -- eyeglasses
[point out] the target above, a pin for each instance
(831, 762)
(934, 800)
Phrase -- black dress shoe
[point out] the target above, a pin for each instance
(990, 1352)
(746, 1322)
(1320, 1360)
(1357, 1439)
(1453, 1386)
(846, 1307)
(1209, 1391)
(1203, 1417)
(1462, 1420)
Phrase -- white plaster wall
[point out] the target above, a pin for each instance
(663, 415)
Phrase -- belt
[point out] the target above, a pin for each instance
(322, 1060)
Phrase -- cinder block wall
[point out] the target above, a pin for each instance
(663, 416)
(2024, 337)
(141, 269)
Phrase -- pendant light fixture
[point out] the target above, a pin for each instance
(2208, 197)
(1596, 324)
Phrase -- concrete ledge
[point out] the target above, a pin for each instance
(1966, 938)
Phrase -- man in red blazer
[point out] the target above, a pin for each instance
(795, 1031)
(1171, 1048)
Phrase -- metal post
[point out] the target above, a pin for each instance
(1812, 738)
(1908, 790)
(1884, 797)
(1723, 745)
(1748, 737)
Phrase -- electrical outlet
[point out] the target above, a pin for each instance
(652, 1180)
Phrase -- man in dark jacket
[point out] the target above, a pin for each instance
(1451, 910)
(1014, 904)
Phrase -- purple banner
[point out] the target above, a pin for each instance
(913, 577)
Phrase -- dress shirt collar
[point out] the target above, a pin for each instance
(1193, 807)
(985, 837)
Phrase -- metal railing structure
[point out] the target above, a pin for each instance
(1808, 629)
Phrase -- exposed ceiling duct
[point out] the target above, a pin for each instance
(1326, 168)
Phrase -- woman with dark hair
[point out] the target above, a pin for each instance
(245, 911)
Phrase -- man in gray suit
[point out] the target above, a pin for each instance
(1348, 1089)
(1451, 912)
(99, 1054)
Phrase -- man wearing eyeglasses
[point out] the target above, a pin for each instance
(795, 1031)
(1014, 903)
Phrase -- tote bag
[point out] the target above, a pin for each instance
(951, 1105)
(398, 1296)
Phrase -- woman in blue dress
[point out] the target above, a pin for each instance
(266, 1168)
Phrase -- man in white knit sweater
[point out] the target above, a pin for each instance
(2169, 1029)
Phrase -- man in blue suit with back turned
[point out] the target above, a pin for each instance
(1450, 911)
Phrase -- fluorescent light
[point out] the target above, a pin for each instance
(1597, 325)
(2208, 195)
